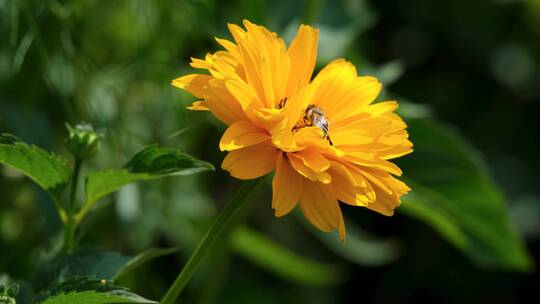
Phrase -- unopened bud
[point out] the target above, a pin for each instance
(83, 141)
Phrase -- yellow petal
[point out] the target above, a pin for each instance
(334, 80)
(351, 137)
(241, 134)
(283, 138)
(200, 64)
(364, 91)
(320, 206)
(314, 160)
(303, 54)
(385, 203)
(396, 151)
(298, 164)
(237, 32)
(340, 92)
(199, 106)
(245, 96)
(251, 162)
(287, 187)
(251, 59)
(378, 178)
(222, 104)
(364, 160)
(349, 186)
(266, 63)
(230, 47)
(193, 83)
(382, 107)
(296, 104)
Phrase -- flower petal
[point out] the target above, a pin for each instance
(314, 160)
(366, 160)
(245, 96)
(199, 106)
(303, 54)
(349, 188)
(321, 208)
(287, 186)
(242, 134)
(298, 164)
(351, 137)
(340, 92)
(222, 104)
(251, 162)
(385, 203)
(282, 137)
(193, 83)
(230, 47)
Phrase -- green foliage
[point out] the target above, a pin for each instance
(452, 192)
(110, 62)
(141, 259)
(151, 162)
(83, 262)
(279, 260)
(97, 263)
(8, 293)
(50, 171)
(88, 290)
(360, 246)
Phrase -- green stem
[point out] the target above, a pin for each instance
(69, 235)
(205, 245)
(70, 226)
(74, 183)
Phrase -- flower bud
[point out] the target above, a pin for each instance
(83, 141)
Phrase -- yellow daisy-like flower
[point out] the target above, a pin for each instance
(325, 139)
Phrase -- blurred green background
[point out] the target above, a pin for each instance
(467, 74)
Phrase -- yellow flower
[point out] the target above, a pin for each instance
(325, 139)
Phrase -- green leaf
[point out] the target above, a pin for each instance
(87, 290)
(454, 193)
(83, 262)
(97, 263)
(360, 247)
(279, 260)
(151, 162)
(51, 172)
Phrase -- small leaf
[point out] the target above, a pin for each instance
(166, 161)
(88, 290)
(275, 258)
(453, 192)
(151, 162)
(51, 172)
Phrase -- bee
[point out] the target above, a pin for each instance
(314, 116)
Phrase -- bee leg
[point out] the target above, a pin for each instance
(329, 140)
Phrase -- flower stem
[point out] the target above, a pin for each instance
(74, 182)
(205, 245)
(70, 225)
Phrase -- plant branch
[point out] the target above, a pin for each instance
(217, 229)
